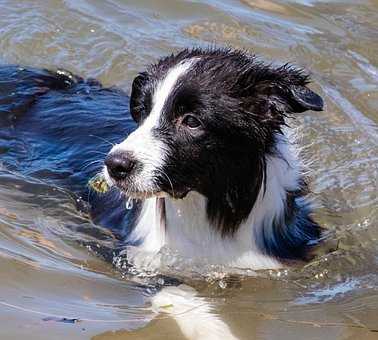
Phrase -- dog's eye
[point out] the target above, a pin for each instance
(191, 122)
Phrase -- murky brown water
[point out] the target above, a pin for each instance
(43, 270)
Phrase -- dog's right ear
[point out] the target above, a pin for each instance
(140, 98)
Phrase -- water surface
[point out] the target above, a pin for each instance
(46, 273)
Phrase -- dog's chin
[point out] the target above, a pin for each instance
(142, 195)
(158, 193)
(178, 194)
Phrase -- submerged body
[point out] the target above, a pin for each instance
(245, 211)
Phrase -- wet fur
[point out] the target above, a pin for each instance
(52, 117)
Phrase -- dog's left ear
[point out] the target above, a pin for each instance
(301, 98)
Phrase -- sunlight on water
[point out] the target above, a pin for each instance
(64, 277)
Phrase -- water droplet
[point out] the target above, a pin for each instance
(129, 203)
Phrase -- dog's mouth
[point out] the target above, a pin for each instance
(103, 182)
(141, 195)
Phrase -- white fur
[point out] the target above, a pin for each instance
(153, 237)
(188, 232)
(194, 315)
(187, 229)
(146, 148)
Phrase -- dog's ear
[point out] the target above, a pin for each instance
(301, 99)
(290, 84)
(277, 100)
(284, 89)
(140, 97)
(283, 99)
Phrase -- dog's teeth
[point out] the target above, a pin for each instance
(129, 203)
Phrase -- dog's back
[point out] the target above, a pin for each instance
(56, 127)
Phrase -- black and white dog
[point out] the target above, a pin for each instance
(212, 164)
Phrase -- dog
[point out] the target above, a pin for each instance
(213, 160)
(210, 161)
(209, 168)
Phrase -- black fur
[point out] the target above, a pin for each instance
(52, 126)
(242, 104)
(292, 235)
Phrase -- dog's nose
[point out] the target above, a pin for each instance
(120, 164)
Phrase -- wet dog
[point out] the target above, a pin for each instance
(209, 158)
(213, 161)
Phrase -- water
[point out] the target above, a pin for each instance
(46, 272)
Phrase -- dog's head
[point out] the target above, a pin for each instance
(206, 121)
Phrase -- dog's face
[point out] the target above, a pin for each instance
(206, 120)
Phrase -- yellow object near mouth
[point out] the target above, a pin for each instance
(99, 184)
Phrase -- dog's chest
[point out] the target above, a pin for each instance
(188, 232)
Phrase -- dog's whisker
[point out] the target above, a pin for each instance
(169, 180)
(91, 163)
(99, 152)
(103, 139)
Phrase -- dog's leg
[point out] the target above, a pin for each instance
(194, 314)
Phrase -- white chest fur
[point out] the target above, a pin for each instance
(187, 231)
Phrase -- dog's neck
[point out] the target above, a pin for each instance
(187, 230)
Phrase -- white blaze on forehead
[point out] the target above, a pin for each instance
(166, 86)
(147, 149)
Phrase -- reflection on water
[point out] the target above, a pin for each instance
(45, 271)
